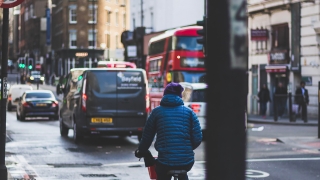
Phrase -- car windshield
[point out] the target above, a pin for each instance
(38, 95)
(190, 95)
(35, 73)
(190, 77)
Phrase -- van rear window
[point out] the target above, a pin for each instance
(103, 82)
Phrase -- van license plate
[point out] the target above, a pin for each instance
(101, 120)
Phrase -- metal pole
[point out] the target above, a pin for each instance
(4, 64)
(227, 44)
(141, 13)
(319, 110)
(291, 119)
(93, 31)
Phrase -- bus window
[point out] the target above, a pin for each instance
(186, 43)
(157, 47)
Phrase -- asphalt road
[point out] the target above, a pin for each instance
(36, 149)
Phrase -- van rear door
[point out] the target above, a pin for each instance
(102, 93)
(131, 101)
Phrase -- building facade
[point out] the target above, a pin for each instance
(86, 31)
(276, 52)
(159, 15)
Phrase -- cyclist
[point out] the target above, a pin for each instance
(178, 133)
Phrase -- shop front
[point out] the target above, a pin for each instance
(66, 59)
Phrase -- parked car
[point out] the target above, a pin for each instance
(15, 92)
(99, 101)
(35, 77)
(194, 97)
(37, 103)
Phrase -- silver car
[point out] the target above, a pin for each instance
(194, 97)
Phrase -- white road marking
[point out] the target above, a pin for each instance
(283, 159)
(256, 174)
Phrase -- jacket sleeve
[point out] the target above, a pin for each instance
(196, 132)
(149, 132)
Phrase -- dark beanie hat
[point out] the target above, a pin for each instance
(173, 88)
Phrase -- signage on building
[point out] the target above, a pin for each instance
(259, 34)
(278, 57)
(132, 51)
(307, 80)
(10, 3)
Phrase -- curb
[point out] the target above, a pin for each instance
(281, 123)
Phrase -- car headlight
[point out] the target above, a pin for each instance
(41, 78)
(31, 78)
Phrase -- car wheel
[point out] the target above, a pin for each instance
(22, 117)
(77, 136)
(64, 131)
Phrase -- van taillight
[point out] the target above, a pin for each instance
(84, 102)
(9, 97)
(25, 104)
(55, 103)
(195, 107)
(147, 103)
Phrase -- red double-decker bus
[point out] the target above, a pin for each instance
(174, 56)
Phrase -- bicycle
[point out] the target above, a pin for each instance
(150, 163)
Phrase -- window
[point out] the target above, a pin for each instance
(73, 39)
(186, 43)
(117, 41)
(124, 2)
(92, 39)
(101, 82)
(108, 17)
(124, 20)
(31, 11)
(155, 65)
(26, 15)
(108, 40)
(280, 36)
(73, 14)
(38, 95)
(117, 18)
(117, 1)
(157, 47)
(92, 14)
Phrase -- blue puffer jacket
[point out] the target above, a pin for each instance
(178, 132)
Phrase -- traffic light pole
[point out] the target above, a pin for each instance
(4, 64)
(226, 65)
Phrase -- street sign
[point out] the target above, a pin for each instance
(5, 90)
(10, 3)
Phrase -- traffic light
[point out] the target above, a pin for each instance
(203, 32)
(22, 64)
(30, 64)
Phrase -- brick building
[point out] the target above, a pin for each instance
(86, 31)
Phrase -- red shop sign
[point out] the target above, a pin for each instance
(10, 3)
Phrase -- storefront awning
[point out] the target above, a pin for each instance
(276, 69)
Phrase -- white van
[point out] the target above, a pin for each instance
(15, 92)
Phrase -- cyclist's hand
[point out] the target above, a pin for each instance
(138, 154)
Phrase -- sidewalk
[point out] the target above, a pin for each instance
(284, 121)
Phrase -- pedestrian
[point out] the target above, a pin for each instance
(178, 134)
(302, 99)
(53, 80)
(264, 98)
(281, 99)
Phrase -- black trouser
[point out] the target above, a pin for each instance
(162, 171)
(263, 108)
(303, 108)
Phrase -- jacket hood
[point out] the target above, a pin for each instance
(171, 100)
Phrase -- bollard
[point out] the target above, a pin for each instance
(275, 110)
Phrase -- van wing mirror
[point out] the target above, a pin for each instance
(17, 99)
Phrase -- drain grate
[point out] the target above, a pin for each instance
(74, 165)
(135, 166)
(98, 175)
